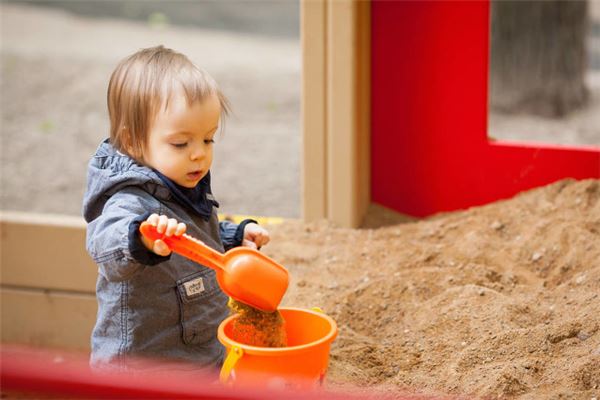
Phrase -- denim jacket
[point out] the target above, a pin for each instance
(149, 306)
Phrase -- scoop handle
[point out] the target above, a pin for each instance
(186, 246)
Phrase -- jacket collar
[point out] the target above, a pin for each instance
(200, 198)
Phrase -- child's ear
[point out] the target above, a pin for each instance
(126, 141)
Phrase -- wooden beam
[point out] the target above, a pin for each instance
(314, 176)
(47, 285)
(341, 127)
(47, 318)
(336, 110)
(45, 251)
(363, 108)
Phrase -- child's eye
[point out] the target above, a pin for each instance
(179, 145)
(209, 141)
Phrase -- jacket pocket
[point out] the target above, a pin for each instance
(201, 306)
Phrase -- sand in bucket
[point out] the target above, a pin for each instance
(254, 327)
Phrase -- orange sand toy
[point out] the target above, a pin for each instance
(301, 364)
(244, 274)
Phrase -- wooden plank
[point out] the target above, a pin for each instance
(341, 122)
(363, 108)
(313, 109)
(45, 251)
(47, 318)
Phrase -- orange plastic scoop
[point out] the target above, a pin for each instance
(244, 274)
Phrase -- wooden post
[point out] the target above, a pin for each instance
(314, 177)
(335, 110)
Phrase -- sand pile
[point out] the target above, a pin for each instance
(496, 301)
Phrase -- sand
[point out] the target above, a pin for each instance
(499, 301)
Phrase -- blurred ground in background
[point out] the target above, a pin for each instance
(56, 59)
(262, 17)
(55, 69)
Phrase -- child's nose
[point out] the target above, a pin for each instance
(197, 154)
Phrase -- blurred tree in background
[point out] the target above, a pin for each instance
(538, 56)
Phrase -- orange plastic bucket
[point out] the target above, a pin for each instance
(303, 363)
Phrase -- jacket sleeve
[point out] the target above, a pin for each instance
(232, 235)
(112, 239)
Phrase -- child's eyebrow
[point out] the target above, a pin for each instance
(179, 133)
(187, 133)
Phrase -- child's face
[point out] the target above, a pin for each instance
(180, 142)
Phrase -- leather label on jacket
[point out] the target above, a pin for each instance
(193, 287)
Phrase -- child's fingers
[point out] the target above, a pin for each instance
(153, 219)
(263, 238)
(161, 226)
(256, 235)
(181, 227)
(161, 248)
(171, 226)
(257, 238)
(165, 225)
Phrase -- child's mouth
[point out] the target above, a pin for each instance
(193, 176)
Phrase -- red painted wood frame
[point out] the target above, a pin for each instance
(429, 146)
(30, 373)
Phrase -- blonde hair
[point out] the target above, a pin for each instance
(144, 82)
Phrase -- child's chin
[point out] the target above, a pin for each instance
(189, 185)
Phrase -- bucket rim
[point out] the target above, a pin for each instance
(277, 351)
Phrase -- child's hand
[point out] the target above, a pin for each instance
(166, 225)
(255, 236)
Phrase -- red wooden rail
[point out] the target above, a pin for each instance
(430, 150)
(34, 373)
(58, 373)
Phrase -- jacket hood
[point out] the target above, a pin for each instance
(109, 171)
